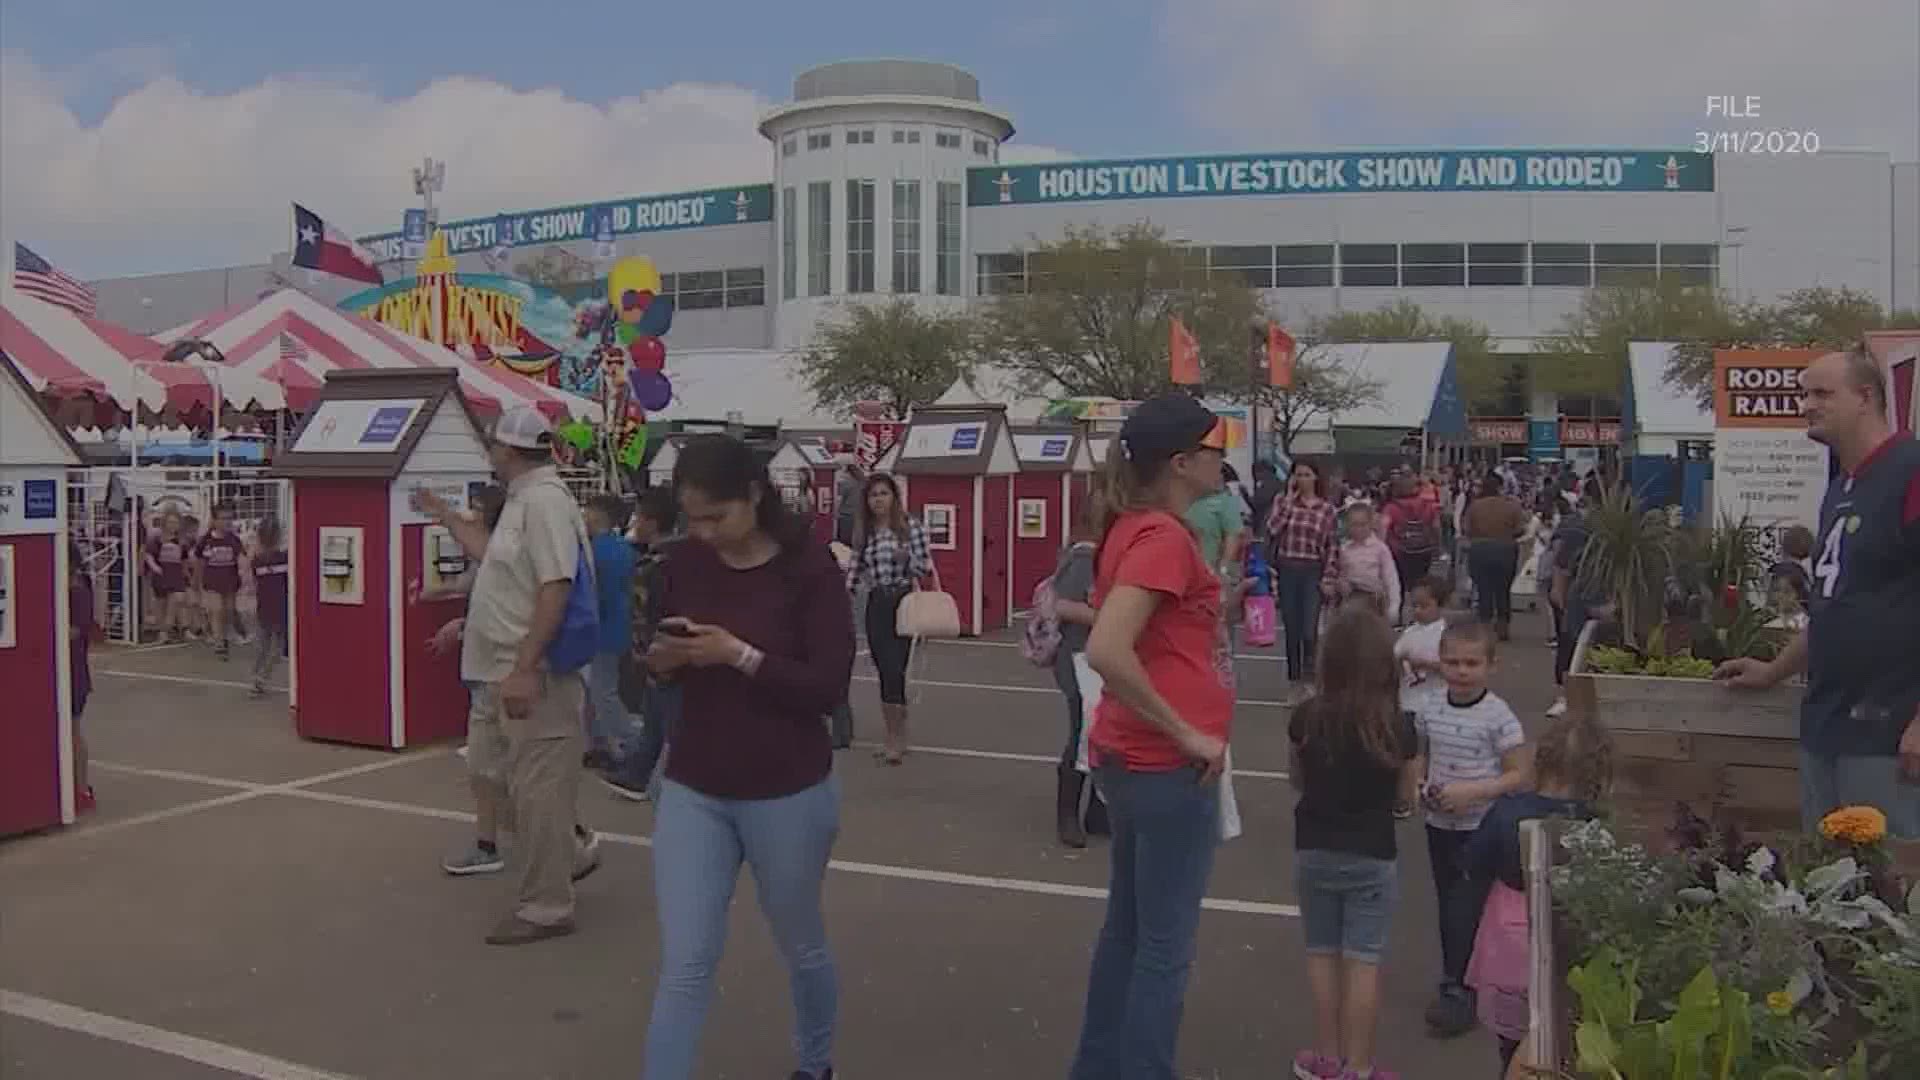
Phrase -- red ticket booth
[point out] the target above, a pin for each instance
(36, 724)
(1043, 504)
(808, 468)
(1088, 459)
(959, 466)
(362, 673)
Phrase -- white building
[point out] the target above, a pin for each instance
(886, 178)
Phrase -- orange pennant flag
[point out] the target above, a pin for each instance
(1184, 353)
(1280, 348)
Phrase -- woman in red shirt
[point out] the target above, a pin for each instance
(1159, 739)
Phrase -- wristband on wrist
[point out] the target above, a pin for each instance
(748, 662)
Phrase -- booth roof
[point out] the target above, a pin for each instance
(1657, 408)
(1416, 385)
(433, 386)
(763, 385)
(18, 442)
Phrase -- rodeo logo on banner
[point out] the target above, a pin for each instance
(593, 221)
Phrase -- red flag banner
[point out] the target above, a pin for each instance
(1280, 354)
(1183, 354)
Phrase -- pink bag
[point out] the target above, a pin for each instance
(1260, 620)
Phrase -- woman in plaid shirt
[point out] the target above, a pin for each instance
(890, 557)
(1301, 525)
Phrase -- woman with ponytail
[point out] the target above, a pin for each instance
(891, 557)
(1159, 738)
(756, 631)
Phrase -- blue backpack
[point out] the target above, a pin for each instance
(578, 637)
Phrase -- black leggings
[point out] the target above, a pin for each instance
(1493, 564)
(889, 650)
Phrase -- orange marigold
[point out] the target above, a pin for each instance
(1855, 825)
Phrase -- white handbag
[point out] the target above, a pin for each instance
(927, 613)
(1091, 685)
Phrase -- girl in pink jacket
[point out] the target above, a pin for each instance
(1363, 566)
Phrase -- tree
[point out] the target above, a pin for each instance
(1484, 375)
(1095, 315)
(562, 271)
(1805, 318)
(892, 352)
(1588, 357)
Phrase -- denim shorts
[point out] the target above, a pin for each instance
(1346, 903)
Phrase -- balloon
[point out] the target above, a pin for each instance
(576, 433)
(626, 332)
(653, 390)
(635, 299)
(658, 317)
(648, 354)
(634, 273)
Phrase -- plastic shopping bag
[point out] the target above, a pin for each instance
(1091, 685)
(1261, 620)
(1229, 807)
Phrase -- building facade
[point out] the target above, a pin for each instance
(887, 179)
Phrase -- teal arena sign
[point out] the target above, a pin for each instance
(588, 221)
(1341, 174)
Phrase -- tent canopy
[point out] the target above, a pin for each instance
(763, 385)
(1418, 386)
(1656, 407)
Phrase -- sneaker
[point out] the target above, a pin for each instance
(1557, 709)
(1451, 1013)
(1308, 1065)
(83, 800)
(475, 860)
(1402, 811)
(462, 752)
(621, 787)
(259, 690)
(588, 843)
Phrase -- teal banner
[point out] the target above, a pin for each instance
(1341, 174)
(648, 213)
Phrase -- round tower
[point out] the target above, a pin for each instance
(870, 165)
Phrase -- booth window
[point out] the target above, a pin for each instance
(1369, 264)
(1625, 264)
(906, 236)
(1690, 264)
(938, 518)
(1032, 519)
(1496, 264)
(820, 238)
(946, 237)
(701, 290)
(860, 236)
(1001, 275)
(1433, 264)
(1250, 264)
(747, 287)
(1563, 264)
(789, 242)
(1303, 266)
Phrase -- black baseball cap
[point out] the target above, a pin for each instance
(1170, 424)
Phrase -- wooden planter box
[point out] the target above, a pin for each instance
(1731, 754)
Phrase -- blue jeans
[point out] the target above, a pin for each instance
(660, 712)
(1068, 681)
(699, 843)
(1828, 783)
(611, 725)
(1165, 830)
(1346, 902)
(1297, 593)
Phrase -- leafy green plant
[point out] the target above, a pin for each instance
(1709, 1034)
(1628, 558)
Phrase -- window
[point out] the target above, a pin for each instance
(1032, 519)
(946, 237)
(789, 243)
(1433, 264)
(747, 287)
(860, 137)
(1253, 265)
(669, 284)
(938, 518)
(982, 148)
(1690, 264)
(1369, 264)
(1001, 275)
(1562, 264)
(789, 146)
(1624, 264)
(1303, 266)
(947, 140)
(859, 236)
(906, 136)
(819, 140)
(906, 236)
(1496, 264)
(820, 238)
(701, 290)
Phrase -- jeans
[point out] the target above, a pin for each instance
(610, 724)
(661, 712)
(1573, 620)
(1492, 564)
(1297, 593)
(271, 647)
(1069, 684)
(1165, 830)
(1346, 903)
(1829, 782)
(1459, 899)
(699, 843)
(889, 650)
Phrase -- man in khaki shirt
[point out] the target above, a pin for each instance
(526, 719)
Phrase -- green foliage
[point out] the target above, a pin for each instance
(1709, 1033)
(892, 352)
(1606, 660)
(1483, 374)
(1627, 558)
(1891, 1005)
(1805, 318)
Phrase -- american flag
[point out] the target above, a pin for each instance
(291, 350)
(38, 278)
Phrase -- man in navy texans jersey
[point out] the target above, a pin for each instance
(1860, 720)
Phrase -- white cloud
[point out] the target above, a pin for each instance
(174, 178)
(1524, 72)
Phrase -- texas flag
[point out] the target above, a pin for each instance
(319, 246)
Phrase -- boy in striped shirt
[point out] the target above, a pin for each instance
(1474, 751)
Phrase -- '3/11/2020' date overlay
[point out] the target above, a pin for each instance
(1742, 133)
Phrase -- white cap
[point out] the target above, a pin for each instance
(524, 427)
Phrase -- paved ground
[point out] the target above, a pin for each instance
(244, 901)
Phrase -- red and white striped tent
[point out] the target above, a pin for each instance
(69, 357)
(292, 339)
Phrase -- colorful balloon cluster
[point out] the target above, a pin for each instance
(641, 316)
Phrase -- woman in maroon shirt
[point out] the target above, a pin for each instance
(218, 557)
(165, 561)
(757, 631)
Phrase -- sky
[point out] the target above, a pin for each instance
(140, 137)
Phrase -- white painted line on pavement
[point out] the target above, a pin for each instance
(912, 682)
(904, 873)
(158, 1040)
(189, 680)
(1038, 759)
(242, 790)
(976, 643)
(88, 828)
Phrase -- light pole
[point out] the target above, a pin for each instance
(1734, 246)
(429, 178)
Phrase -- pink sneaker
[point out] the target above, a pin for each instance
(1308, 1065)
